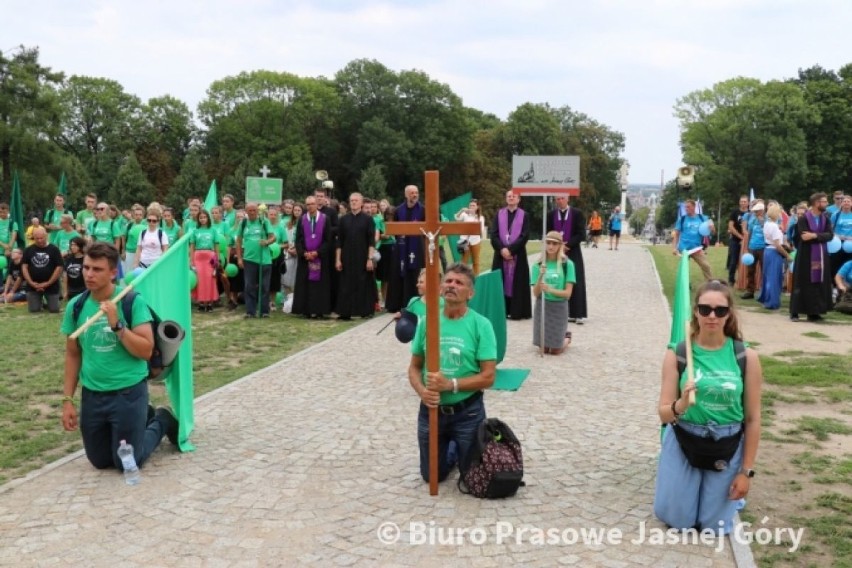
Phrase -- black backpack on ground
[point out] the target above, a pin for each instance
(155, 363)
(495, 467)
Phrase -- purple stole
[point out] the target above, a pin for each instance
(816, 225)
(409, 249)
(509, 235)
(563, 227)
(313, 240)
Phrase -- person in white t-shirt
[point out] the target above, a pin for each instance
(470, 244)
(153, 241)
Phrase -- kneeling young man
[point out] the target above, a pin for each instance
(110, 359)
(468, 362)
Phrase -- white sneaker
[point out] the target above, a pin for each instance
(580, 321)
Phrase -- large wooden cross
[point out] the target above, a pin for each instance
(431, 228)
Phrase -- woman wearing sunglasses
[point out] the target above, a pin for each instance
(709, 448)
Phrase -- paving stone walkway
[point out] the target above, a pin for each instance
(313, 461)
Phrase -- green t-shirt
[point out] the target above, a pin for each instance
(379, 220)
(280, 232)
(83, 218)
(106, 364)
(555, 276)
(252, 234)
(189, 225)
(133, 232)
(224, 231)
(204, 238)
(172, 232)
(229, 218)
(106, 231)
(7, 227)
(720, 386)
(464, 343)
(122, 224)
(417, 306)
(63, 240)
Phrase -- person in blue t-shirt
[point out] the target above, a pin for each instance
(614, 226)
(843, 279)
(686, 237)
(756, 243)
(835, 207)
(841, 222)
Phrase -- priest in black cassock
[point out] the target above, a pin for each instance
(509, 235)
(312, 290)
(408, 259)
(811, 293)
(324, 207)
(571, 223)
(356, 244)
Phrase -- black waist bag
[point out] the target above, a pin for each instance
(707, 453)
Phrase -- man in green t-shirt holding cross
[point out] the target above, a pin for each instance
(254, 235)
(468, 365)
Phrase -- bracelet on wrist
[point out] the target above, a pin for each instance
(674, 409)
(67, 399)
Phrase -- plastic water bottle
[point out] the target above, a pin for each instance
(128, 462)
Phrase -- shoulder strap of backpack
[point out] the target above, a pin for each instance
(680, 353)
(242, 227)
(78, 306)
(127, 307)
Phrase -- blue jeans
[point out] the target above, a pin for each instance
(108, 418)
(251, 280)
(461, 427)
(687, 497)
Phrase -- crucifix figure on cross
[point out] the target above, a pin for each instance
(430, 228)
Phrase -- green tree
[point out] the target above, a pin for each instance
(373, 182)
(163, 137)
(190, 182)
(829, 135)
(99, 126)
(130, 184)
(28, 118)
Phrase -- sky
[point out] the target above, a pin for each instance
(622, 62)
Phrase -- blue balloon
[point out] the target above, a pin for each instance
(834, 245)
(748, 259)
(704, 229)
(847, 246)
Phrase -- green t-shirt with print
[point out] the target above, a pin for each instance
(106, 365)
(223, 231)
(133, 232)
(252, 232)
(172, 232)
(63, 240)
(719, 397)
(83, 218)
(280, 232)
(464, 343)
(204, 238)
(104, 231)
(7, 227)
(555, 276)
(52, 217)
(189, 225)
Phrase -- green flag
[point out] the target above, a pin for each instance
(165, 287)
(449, 210)
(488, 301)
(682, 306)
(16, 210)
(62, 188)
(212, 197)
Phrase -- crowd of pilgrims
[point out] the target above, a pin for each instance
(793, 252)
(312, 258)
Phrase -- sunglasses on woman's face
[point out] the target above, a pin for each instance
(705, 310)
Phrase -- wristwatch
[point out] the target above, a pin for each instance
(747, 472)
(119, 325)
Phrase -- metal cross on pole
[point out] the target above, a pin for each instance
(431, 227)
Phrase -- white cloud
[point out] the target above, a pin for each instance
(622, 62)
